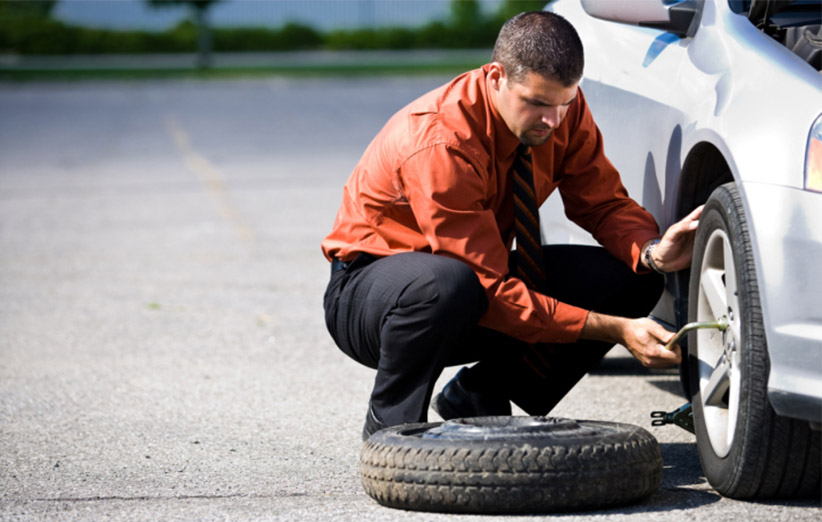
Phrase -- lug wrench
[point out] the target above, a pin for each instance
(684, 415)
(720, 324)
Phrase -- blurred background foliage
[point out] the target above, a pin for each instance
(27, 28)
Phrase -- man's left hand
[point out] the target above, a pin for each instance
(675, 248)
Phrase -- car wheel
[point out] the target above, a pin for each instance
(746, 450)
(510, 465)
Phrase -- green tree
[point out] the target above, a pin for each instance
(26, 9)
(468, 25)
(23, 22)
(509, 8)
(200, 8)
(466, 13)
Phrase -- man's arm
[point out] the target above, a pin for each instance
(593, 194)
(644, 338)
(673, 252)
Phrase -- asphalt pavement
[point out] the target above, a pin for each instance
(163, 354)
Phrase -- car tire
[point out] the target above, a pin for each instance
(746, 450)
(510, 465)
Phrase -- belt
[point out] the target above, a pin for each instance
(358, 262)
(337, 265)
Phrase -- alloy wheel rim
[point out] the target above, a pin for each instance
(718, 353)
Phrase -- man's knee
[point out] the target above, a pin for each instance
(446, 285)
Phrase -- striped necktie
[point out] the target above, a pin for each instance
(529, 261)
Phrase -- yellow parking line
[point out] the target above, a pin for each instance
(209, 175)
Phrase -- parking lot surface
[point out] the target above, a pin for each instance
(163, 353)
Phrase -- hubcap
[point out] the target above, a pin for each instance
(719, 356)
(504, 427)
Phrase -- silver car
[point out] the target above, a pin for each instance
(719, 102)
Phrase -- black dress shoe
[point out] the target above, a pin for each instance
(457, 402)
(372, 424)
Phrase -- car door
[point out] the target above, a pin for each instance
(629, 82)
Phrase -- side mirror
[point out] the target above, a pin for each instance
(679, 17)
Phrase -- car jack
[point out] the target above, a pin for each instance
(684, 415)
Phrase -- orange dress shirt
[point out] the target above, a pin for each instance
(437, 178)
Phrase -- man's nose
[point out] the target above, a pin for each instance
(552, 117)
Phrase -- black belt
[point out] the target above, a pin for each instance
(358, 262)
(337, 265)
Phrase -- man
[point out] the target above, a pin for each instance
(423, 275)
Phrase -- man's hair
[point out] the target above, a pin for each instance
(540, 42)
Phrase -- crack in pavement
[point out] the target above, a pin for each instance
(149, 497)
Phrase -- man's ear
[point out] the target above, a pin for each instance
(496, 75)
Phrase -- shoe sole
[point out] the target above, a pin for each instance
(444, 408)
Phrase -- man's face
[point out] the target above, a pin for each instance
(532, 108)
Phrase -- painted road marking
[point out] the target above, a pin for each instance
(209, 175)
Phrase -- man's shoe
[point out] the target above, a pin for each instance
(372, 424)
(456, 401)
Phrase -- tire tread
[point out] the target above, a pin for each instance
(779, 457)
(512, 478)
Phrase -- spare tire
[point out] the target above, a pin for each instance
(510, 465)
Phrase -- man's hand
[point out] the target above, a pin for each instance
(644, 338)
(674, 249)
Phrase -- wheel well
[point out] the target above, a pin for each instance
(704, 169)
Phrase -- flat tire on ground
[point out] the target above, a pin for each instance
(510, 465)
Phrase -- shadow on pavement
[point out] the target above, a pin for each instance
(681, 475)
(667, 385)
(683, 483)
(614, 366)
(681, 465)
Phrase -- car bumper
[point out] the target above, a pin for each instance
(787, 231)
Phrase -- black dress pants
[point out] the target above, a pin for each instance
(410, 315)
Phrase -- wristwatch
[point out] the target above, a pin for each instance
(649, 260)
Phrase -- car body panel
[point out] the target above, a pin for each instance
(789, 222)
(658, 97)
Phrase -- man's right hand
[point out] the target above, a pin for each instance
(644, 338)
